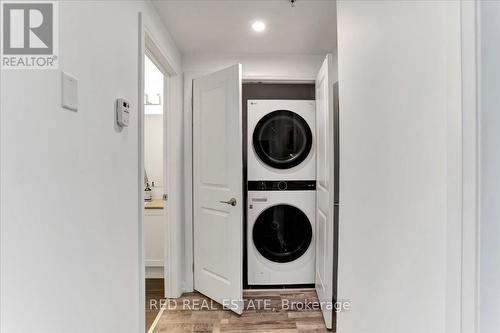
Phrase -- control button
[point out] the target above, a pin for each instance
(262, 186)
(282, 186)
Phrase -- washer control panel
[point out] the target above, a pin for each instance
(282, 185)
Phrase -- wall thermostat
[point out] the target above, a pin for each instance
(122, 112)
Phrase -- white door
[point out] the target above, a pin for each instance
(218, 187)
(325, 189)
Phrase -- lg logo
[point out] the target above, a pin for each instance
(29, 34)
(28, 28)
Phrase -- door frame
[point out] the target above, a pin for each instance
(188, 285)
(156, 56)
(148, 45)
(467, 291)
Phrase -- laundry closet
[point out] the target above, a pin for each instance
(265, 169)
(260, 138)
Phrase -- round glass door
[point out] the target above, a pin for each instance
(282, 233)
(282, 139)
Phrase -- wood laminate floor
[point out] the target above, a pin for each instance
(154, 291)
(201, 315)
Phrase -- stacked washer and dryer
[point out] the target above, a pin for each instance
(281, 192)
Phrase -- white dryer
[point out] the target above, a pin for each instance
(280, 138)
(280, 232)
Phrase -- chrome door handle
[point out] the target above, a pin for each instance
(231, 202)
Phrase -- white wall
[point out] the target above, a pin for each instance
(69, 194)
(153, 152)
(397, 90)
(489, 166)
(153, 87)
(153, 126)
(291, 66)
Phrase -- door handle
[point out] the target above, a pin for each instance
(231, 202)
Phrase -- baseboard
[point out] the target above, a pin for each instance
(154, 272)
(153, 263)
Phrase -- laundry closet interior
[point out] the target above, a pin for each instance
(261, 149)
(265, 200)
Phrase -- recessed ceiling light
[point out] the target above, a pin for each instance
(258, 26)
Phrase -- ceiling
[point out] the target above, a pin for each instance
(224, 26)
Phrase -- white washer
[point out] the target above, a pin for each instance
(281, 136)
(280, 233)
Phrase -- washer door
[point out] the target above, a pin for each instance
(282, 233)
(282, 139)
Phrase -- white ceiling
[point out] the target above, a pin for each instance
(224, 26)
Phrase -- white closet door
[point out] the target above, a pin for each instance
(325, 188)
(217, 187)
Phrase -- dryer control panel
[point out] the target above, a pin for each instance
(285, 185)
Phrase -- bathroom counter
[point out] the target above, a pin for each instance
(153, 204)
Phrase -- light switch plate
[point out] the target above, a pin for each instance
(69, 92)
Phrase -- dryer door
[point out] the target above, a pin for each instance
(282, 139)
(282, 233)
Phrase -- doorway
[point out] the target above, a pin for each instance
(279, 90)
(216, 130)
(155, 168)
(154, 223)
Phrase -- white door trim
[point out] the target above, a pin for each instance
(140, 176)
(148, 43)
(462, 242)
(470, 55)
(188, 285)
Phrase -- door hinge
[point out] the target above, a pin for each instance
(165, 196)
